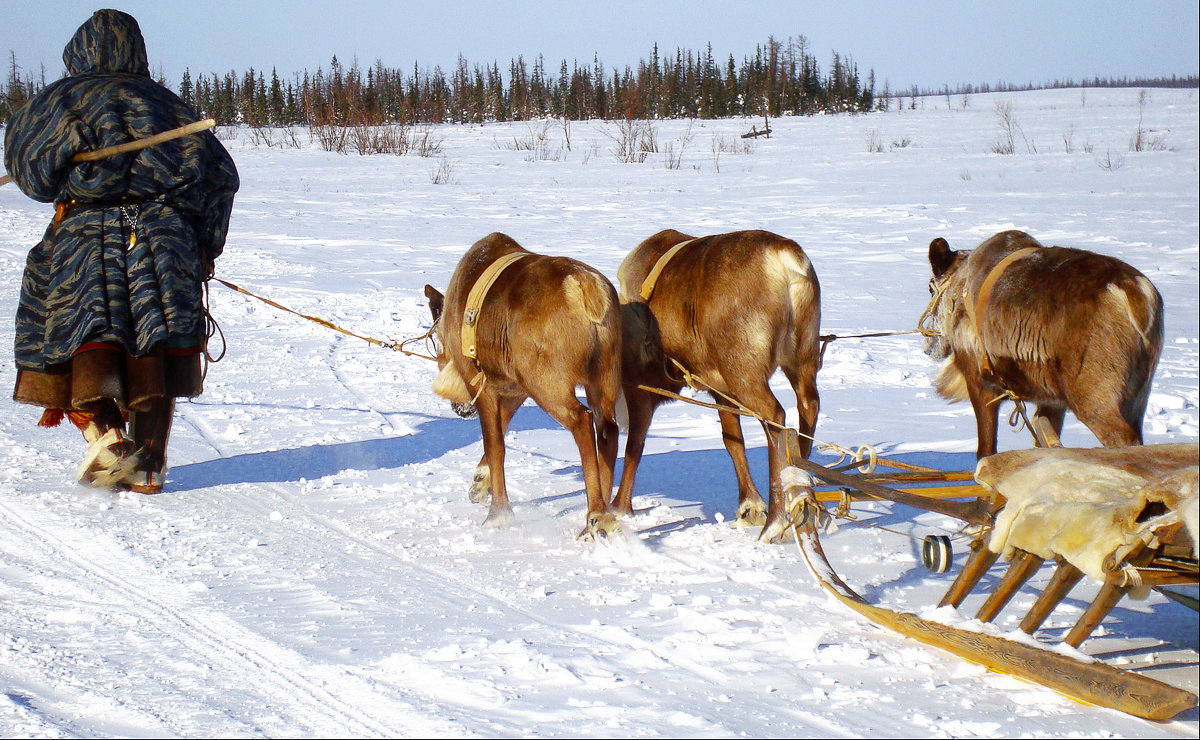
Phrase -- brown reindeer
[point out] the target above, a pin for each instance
(1062, 328)
(729, 308)
(543, 327)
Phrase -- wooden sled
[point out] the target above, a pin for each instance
(1162, 554)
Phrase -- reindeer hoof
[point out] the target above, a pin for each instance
(481, 485)
(499, 518)
(479, 495)
(773, 532)
(751, 516)
(601, 527)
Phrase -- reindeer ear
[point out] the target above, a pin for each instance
(941, 256)
(436, 301)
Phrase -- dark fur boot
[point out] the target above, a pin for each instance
(150, 430)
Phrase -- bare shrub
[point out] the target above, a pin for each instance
(274, 137)
(672, 157)
(1136, 142)
(390, 139)
(331, 138)
(425, 143)
(1142, 141)
(1008, 128)
(722, 144)
(1110, 163)
(874, 143)
(443, 174)
(566, 131)
(536, 142)
(1068, 138)
(902, 143)
(635, 140)
(648, 144)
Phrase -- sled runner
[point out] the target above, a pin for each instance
(1126, 517)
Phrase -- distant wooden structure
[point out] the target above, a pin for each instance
(754, 133)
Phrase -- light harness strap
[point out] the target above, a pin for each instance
(647, 288)
(975, 308)
(476, 296)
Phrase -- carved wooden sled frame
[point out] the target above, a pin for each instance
(1094, 682)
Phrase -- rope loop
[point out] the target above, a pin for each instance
(858, 455)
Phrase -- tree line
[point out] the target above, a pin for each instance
(779, 78)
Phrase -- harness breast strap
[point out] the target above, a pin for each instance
(975, 308)
(476, 295)
(647, 288)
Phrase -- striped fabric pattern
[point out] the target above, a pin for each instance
(87, 281)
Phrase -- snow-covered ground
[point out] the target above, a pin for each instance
(314, 567)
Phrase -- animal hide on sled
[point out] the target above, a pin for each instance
(1091, 506)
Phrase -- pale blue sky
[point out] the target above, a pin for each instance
(929, 44)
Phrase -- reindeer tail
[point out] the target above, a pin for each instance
(590, 294)
(804, 294)
(1143, 306)
(593, 296)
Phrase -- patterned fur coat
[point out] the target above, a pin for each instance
(135, 235)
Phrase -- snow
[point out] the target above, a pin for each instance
(315, 569)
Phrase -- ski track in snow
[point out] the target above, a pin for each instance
(314, 567)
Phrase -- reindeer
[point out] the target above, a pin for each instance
(543, 327)
(730, 309)
(1062, 328)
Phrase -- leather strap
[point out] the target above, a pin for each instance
(975, 308)
(476, 296)
(647, 288)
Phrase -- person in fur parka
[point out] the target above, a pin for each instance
(111, 324)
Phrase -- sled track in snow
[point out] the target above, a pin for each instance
(214, 640)
(430, 579)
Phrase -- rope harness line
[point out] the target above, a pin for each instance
(864, 452)
(696, 383)
(400, 346)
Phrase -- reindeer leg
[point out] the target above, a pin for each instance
(808, 404)
(599, 521)
(481, 484)
(641, 410)
(1111, 425)
(776, 521)
(608, 434)
(608, 438)
(500, 513)
(751, 510)
(987, 417)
